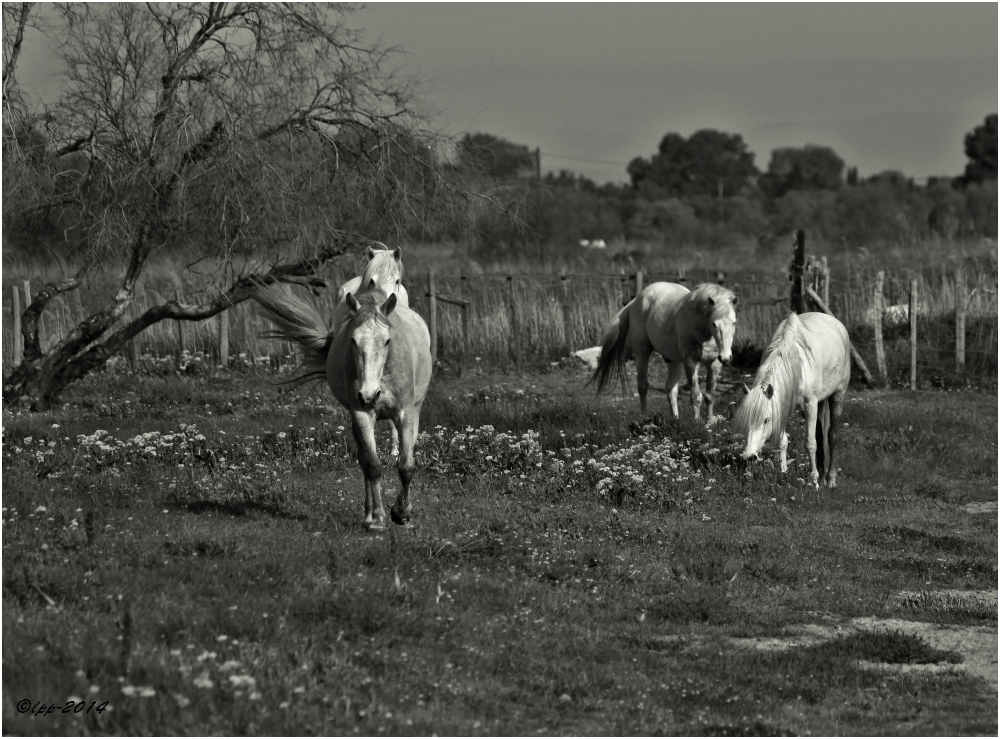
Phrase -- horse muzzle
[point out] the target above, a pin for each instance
(751, 457)
(369, 399)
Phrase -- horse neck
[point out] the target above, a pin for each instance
(783, 370)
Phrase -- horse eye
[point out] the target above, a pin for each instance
(387, 342)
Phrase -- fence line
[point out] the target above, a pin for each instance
(506, 319)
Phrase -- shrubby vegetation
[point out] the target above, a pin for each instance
(706, 191)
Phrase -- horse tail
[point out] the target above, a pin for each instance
(614, 352)
(822, 436)
(299, 321)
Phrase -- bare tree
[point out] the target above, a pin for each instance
(261, 139)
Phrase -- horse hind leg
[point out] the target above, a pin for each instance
(408, 425)
(834, 423)
(823, 440)
(642, 373)
(363, 428)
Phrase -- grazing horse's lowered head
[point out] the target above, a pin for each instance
(368, 328)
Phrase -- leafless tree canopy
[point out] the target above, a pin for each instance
(258, 138)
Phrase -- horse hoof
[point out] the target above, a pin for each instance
(400, 519)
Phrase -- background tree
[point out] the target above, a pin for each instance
(808, 168)
(495, 157)
(257, 140)
(981, 149)
(710, 163)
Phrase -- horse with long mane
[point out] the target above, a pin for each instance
(377, 362)
(807, 364)
(383, 268)
(685, 327)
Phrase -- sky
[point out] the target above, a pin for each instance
(887, 86)
(594, 85)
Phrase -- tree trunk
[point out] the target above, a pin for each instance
(42, 377)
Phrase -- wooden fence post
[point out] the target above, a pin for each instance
(514, 338)
(825, 277)
(433, 315)
(877, 310)
(566, 315)
(959, 321)
(466, 350)
(224, 338)
(638, 282)
(27, 294)
(15, 312)
(798, 300)
(913, 334)
(179, 350)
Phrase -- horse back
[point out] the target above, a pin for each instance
(831, 350)
(656, 315)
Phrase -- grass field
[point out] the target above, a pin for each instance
(189, 549)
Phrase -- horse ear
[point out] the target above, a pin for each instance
(389, 305)
(736, 299)
(711, 301)
(352, 302)
(769, 391)
(371, 284)
(397, 253)
(370, 253)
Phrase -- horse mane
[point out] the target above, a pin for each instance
(369, 303)
(781, 368)
(381, 265)
(709, 290)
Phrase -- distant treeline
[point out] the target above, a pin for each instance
(706, 191)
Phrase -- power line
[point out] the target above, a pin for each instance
(584, 159)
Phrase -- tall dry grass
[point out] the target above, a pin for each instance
(516, 304)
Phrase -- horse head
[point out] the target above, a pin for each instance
(723, 324)
(370, 336)
(755, 418)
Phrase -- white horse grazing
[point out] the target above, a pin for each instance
(377, 362)
(685, 327)
(807, 364)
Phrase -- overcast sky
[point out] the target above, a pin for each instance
(887, 86)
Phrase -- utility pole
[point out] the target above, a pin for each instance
(538, 164)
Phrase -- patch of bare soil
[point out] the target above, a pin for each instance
(976, 644)
(989, 506)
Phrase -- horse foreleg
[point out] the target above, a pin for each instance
(409, 427)
(783, 452)
(691, 368)
(394, 437)
(809, 410)
(675, 371)
(363, 427)
(642, 374)
(712, 370)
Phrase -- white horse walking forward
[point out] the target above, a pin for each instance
(377, 362)
(686, 327)
(807, 364)
(382, 268)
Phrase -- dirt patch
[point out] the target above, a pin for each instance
(976, 644)
(989, 506)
